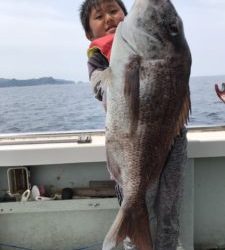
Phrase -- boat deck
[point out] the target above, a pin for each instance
(59, 160)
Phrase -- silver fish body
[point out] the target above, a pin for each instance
(148, 103)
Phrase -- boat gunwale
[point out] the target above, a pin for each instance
(73, 136)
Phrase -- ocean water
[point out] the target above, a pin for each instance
(73, 107)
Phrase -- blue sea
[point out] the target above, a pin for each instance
(69, 107)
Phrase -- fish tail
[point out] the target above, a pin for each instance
(132, 223)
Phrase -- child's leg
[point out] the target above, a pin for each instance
(169, 195)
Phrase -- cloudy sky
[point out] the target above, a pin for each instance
(44, 38)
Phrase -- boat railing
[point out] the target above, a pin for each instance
(79, 136)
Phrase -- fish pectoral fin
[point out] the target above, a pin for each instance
(132, 223)
(132, 88)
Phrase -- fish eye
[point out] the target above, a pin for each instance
(173, 29)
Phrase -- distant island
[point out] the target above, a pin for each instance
(32, 82)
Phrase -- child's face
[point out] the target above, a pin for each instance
(104, 19)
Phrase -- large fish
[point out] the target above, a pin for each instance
(148, 103)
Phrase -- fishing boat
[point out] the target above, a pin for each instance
(55, 162)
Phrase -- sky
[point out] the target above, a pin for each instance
(41, 38)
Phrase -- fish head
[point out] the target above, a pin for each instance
(160, 20)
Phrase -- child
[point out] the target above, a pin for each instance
(100, 19)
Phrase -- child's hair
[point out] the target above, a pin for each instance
(86, 8)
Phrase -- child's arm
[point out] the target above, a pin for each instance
(96, 65)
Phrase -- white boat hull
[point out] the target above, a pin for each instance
(82, 223)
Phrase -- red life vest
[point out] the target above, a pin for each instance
(104, 44)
